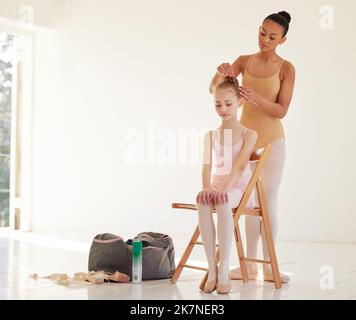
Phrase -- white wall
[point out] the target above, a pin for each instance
(44, 11)
(122, 64)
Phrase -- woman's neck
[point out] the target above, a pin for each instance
(267, 56)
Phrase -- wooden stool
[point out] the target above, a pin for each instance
(260, 156)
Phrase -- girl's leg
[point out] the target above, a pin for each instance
(207, 232)
(225, 230)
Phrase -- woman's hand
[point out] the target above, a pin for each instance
(225, 70)
(205, 196)
(220, 196)
(248, 93)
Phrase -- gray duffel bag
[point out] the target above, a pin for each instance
(110, 253)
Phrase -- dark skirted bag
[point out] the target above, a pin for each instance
(110, 253)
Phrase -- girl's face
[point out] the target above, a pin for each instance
(226, 103)
(270, 35)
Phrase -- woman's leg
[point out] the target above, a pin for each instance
(207, 233)
(252, 233)
(271, 177)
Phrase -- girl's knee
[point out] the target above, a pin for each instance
(201, 206)
(222, 208)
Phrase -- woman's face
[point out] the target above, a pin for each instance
(270, 35)
(226, 103)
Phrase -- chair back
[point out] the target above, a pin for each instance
(259, 156)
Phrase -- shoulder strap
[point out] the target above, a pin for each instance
(250, 58)
(211, 134)
(248, 62)
(280, 66)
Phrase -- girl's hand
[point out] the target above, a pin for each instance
(205, 196)
(247, 93)
(225, 70)
(220, 196)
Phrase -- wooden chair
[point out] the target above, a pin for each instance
(260, 156)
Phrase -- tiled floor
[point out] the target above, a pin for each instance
(22, 254)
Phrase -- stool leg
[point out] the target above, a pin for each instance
(186, 255)
(267, 228)
(240, 252)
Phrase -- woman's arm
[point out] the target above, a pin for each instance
(224, 70)
(242, 161)
(217, 79)
(275, 109)
(238, 65)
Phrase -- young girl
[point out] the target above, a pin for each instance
(229, 147)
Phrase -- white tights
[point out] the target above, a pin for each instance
(225, 229)
(270, 177)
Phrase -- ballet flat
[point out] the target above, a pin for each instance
(224, 288)
(210, 286)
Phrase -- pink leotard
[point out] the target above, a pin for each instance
(223, 163)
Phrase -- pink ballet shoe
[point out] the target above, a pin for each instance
(223, 288)
(117, 277)
(268, 276)
(252, 273)
(210, 286)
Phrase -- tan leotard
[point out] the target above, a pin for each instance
(268, 128)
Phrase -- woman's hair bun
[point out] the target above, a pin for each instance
(286, 15)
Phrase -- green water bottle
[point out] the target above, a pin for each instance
(137, 261)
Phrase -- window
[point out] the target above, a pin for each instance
(6, 72)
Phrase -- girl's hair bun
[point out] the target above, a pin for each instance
(230, 83)
(232, 80)
(286, 15)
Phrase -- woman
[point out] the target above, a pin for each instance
(267, 90)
